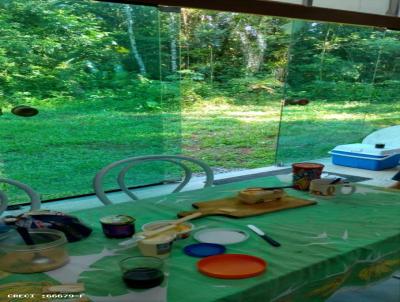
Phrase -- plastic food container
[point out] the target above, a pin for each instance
(47, 254)
(378, 151)
(304, 173)
(364, 156)
(157, 246)
(181, 231)
(118, 226)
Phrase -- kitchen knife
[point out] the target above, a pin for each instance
(263, 235)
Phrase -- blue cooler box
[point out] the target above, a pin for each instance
(366, 156)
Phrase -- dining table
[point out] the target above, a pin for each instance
(342, 241)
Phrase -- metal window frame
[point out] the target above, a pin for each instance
(281, 9)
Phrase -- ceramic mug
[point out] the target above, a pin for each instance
(325, 188)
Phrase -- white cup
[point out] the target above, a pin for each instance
(325, 187)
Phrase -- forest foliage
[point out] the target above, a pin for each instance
(68, 51)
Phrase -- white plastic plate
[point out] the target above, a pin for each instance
(224, 236)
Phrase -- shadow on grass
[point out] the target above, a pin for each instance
(306, 139)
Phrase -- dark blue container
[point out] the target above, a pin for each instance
(118, 226)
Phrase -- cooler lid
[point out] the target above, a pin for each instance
(389, 136)
(367, 149)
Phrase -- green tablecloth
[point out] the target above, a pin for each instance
(342, 241)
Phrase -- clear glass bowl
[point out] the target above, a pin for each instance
(46, 254)
(142, 272)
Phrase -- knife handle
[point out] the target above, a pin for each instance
(270, 240)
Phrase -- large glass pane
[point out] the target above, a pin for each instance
(384, 109)
(104, 79)
(233, 68)
(107, 79)
(334, 67)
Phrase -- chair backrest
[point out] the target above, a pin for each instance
(128, 163)
(35, 198)
(389, 136)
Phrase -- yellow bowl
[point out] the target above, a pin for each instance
(181, 231)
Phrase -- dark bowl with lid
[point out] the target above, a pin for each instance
(118, 226)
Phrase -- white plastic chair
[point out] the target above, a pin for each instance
(128, 163)
(34, 197)
(389, 136)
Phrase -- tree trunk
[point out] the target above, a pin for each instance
(185, 34)
(253, 50)
(378, 59)
(174, 43)
(136, 55)
(324, 47)
(211, 64)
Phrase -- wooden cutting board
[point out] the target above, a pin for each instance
(232, 207)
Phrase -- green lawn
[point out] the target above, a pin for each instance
(235, 136)
(59, 151)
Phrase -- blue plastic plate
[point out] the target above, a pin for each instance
(204, 249)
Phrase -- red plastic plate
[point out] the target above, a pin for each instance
(232, 266)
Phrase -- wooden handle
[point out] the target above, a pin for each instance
(201, 213)
(188, 217)
(158, 231)
(171, 225)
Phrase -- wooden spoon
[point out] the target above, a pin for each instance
(207, 212)
(172, 224)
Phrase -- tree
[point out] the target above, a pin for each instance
(173, 27)
(135, 52)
